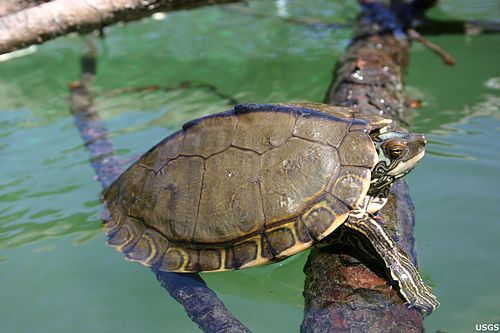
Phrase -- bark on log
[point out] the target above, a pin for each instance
(35, 25)
(12, 6)
(346, 290)
(201, 303)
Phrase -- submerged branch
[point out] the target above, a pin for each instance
(462, 27)
(201, 303)
(302, 20)
(181, 86)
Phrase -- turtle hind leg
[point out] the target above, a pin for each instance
(400, 266)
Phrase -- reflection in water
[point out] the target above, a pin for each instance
(18, 53)
(493, 83)
(282, 7)
(440, 143)
(32, 213)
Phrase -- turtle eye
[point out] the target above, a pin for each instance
(397, 151)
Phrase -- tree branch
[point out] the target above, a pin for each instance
(46, 21)
(12, 6)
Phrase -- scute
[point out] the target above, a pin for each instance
(327, 130)
(230, 205)
(163, 152)
(136, 195)
(357, 149)
(293, 175)
(126, 235)
(280, 240)
(351, 185)
(175, 259)
(288, 239)
(178, 189)
(211, 260)
(324, 216)
(149, 248)
(242, 188)
(209, 135)
(257, 131)
(250, 253)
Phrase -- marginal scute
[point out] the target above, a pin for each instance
(178, 189)
(245, 252)
(211, 260)
(112, 225)
(164, 151)
(149, 248)
(174, 259)
(126, 235)
(179, 259)
(228, 261)
(192, 261)
(351, 185)
(294, 174)
(357, 149)
(230, 204)
(324, 216)
(119, 236)
(258, 131)
(209, 135)
(280, 239)
(302, 232)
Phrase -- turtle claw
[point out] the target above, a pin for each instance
(425, 308)
(425, 303)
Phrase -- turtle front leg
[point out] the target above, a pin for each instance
(400, 265)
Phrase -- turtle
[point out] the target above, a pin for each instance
(259, 183)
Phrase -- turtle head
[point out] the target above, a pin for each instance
(398, 153)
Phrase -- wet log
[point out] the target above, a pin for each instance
(347, 290)
(201, 303)
(48, 20)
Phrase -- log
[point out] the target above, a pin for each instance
(48, 20)
(201, 303)
(347, 290)
(12, 6)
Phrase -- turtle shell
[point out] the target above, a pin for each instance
(242, 188)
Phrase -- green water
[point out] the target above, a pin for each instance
(57, 274)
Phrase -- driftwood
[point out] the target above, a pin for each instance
(201, 304)
(346, 290)
(29, 25)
